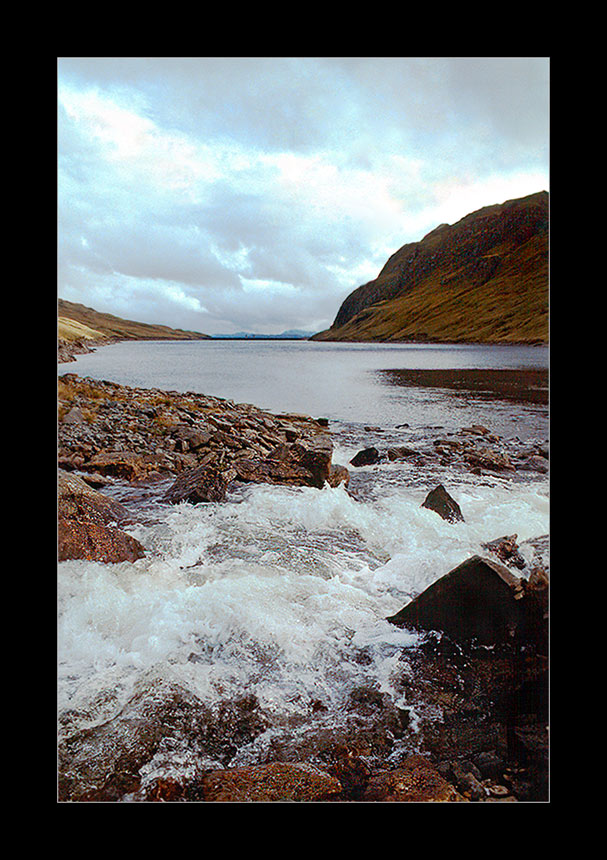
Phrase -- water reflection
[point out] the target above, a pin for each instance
(525, 385)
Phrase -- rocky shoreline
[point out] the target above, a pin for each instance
(489, 682)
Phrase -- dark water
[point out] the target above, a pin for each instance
(504, 387)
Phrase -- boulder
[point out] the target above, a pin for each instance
(77, 500)
(338, 475)
(90, 541)
(366, 457)
(86, 527)
(302, 463)
(205, 483)
(270, 782)
(480, 600)
(415, 781)
(443, 504)
(485, 458)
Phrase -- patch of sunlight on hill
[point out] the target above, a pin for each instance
(68, 329)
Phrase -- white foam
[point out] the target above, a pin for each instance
(275, 593)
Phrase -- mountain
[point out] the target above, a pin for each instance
(291, 334)
(482, 280)
(77, 322)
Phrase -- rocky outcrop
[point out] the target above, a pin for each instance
(110, 432)
(87, 524)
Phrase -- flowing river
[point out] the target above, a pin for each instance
(281, 593)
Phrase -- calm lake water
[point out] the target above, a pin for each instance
(282, 593)
(504, 386)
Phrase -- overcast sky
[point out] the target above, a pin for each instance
(222, 194)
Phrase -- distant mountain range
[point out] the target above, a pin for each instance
(291, 334)
(483, 280)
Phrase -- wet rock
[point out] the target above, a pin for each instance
(366, 457)
(506, 549)
(278, 781)
(86, 524)
(93, 542)
(480, 599)
(443, 504)
(338, 475)
(476, 430)
(468, 780)
(485, 458)
(206, 483)
(400, 453)
(415, 781)
(77, 500)
(536, 463)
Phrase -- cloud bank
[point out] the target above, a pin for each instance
(227, 194)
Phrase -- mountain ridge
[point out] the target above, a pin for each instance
(77, 321)
(483, 279)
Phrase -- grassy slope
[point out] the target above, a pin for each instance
(511, 307)
(108, 325)
(68, 329)
(434, 290)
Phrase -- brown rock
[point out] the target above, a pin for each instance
(338, 475)
(270, 782)
(126, 464)
(77, 500)
(82, 539)
(206, 483)
(301, 463)
(416, 781)
(487, 459)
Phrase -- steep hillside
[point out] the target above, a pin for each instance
(76, 322)
(483, 279)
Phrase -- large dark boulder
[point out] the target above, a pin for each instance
(481, 600)
(443, 504)
(366, 457)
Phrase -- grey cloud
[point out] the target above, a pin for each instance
(452, 117)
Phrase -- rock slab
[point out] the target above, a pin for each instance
(480, 599)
